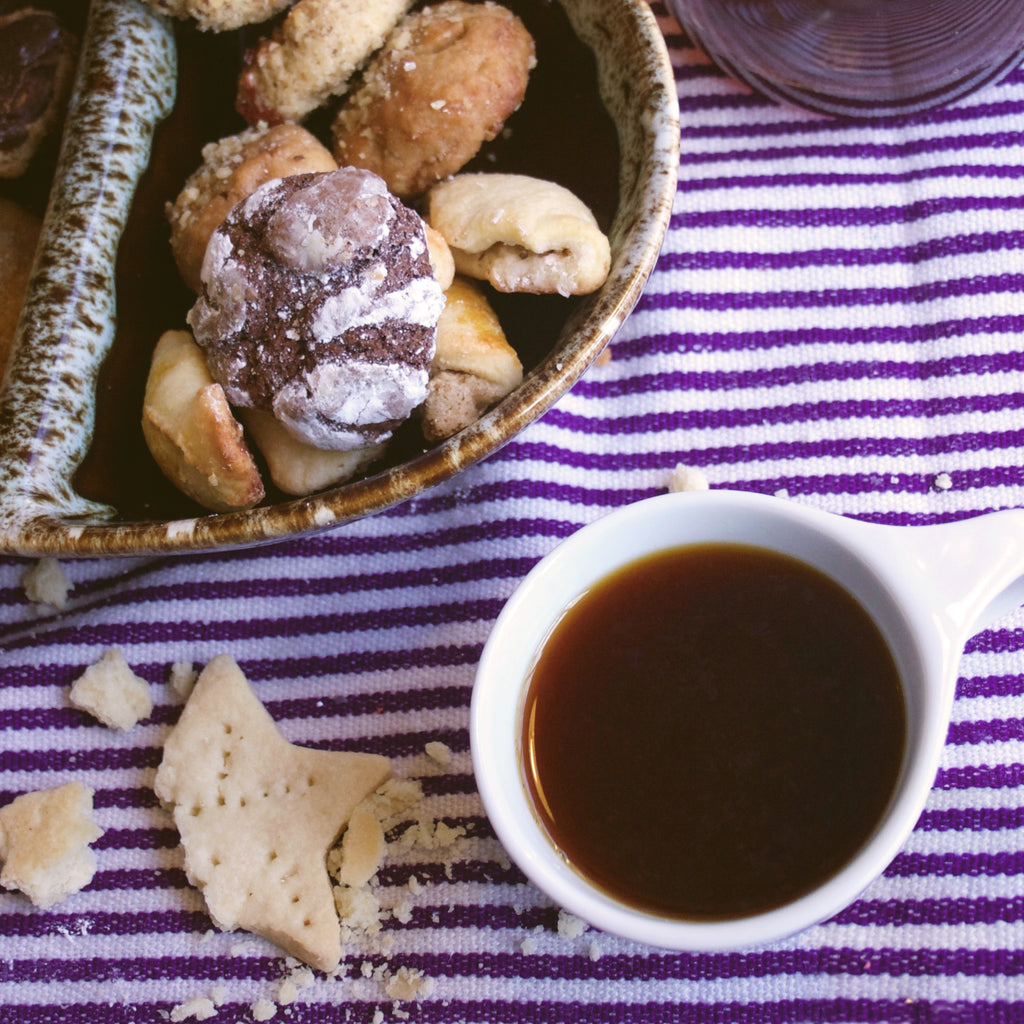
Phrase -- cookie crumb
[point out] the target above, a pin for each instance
(199, 1008)
(263, 1009)
(409, 983)
(570, 926)
(112, 693)
(438, 752)
(686, 478)
(45, 582)
(44, 843)
(182, 678)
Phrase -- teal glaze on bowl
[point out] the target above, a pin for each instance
(125, 87)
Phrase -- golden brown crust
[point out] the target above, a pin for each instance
(191, 432)
(221, 15)
(474, 365)
(19, 237)
(232, 169)
(522, 234)
(311, 56)
(441, 260)
(298, 468)
(445, 82)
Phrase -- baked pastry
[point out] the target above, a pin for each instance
(522, 234)
(37, 66)
(221, 15)
(445, 82)
(311, 56)
(474, 365)
(299, 468)
(191, 432)
(319, 306)
(441, 260)
(19, 237)
(233, 168)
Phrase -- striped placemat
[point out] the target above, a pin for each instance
(836, 317)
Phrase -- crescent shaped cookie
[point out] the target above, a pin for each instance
(474, 365)
(522, 234)
(191, 432)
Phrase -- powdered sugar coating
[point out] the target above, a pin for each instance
(319, 306)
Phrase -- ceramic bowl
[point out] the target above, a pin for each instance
(125, 88)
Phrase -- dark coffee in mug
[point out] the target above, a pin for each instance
(859, 57)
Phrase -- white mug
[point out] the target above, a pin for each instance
(927, 588)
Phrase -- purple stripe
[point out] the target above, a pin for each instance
(754, 340)
(995, 731)
(996, 641)
(393, 745)
(183, 630)
(83, 760)
(787, 177)
(374, 582)
(432, 698)
(104, 923)
(798, 412)
(451, 783)
(449, 1011)
(818, 130)
(875, 216)
(1003, 776)
(820, 484)
(137, 839)
(971, 819)
(610, 968)
(344, 543)
(833, 298)
(738, 455)
(121, 799)
(787, 156)
(952, 911)
(138, 880)
(252, 968)
(947, 865)
(876, 483)
(341, 664)
(933, 248)
(980, 910)
(990, 686)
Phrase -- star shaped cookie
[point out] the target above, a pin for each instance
(257, 814)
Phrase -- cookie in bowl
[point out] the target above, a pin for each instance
(445, 82)
(319, 305)
(37, 64)
(599, 118)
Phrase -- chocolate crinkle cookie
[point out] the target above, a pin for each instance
(319, 306)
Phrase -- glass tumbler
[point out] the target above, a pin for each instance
(859, 58)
